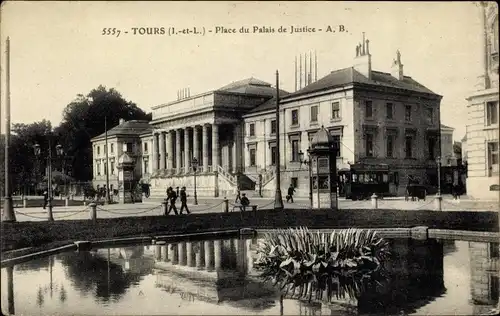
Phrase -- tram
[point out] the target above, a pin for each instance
(361, 180)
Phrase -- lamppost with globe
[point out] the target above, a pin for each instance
(59, 153)
(308, 163)
(194, 164)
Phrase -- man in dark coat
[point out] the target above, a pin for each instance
(291, 191)
(184, 201)
(172, 198)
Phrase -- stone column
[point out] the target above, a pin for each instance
(187, 158)
(236, 140)
(196, 143)
(199, 255)
(215, 146)
(217, 254)
(209, 254)
(155, 152)
(205, 148)
(181, 247)
(178, 150)
(162, 151)
(170, 151)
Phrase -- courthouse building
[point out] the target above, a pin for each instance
(375, 117)
(483, 115)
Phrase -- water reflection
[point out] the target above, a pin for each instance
(217, 277)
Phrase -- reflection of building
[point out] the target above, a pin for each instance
(211, 270)
(131, 259)
(483, 113)
(484, 275)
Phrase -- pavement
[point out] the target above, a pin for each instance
(153, 207)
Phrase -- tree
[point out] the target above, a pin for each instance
(84, 118)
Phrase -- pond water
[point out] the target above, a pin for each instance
(217, 277)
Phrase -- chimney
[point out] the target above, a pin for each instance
(363, 59)
(397, 67)
(121, 121)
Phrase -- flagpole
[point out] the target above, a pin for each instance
(8, 209)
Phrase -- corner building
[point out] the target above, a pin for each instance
(483, 115)
(374, 117)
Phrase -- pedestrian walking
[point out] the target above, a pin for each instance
(45, 199)
(172, 198)
(238, 196)
(291, 191)
(244, 201)
(183, 196)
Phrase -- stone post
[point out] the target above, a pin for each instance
(374, 201)
(205, 148)
(189, 254)
(66, 201)
(174, 254)
(93, 212)
(182, 253)
(217, 254)
(225, 205)
(164, 206)
(199, 255)
(25, 202)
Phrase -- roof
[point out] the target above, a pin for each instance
(446, 127)
(125, 159)
(129, 128)
(346, 76)
(252, 86)
(464, 139)
(322, 138)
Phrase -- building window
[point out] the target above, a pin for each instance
(368, 109)
(389, 111)
(105, 168)
(98, 167)
(493, 158)
(491, 113)
(295, 117)
(369, 145)
(145, 147)
(146, 166)
(273, 155)
(112, 148)
(128, 147)
(314, 114)
(295, 150)
(430, 115)
(408, 113)
(390, 146)
(336, 145)
(252, 130)
(409, 146)
(98, 150)
(273, 127)
(252, 157)
(112, 167)
(335, 110)
(432, 148)
(294, 182)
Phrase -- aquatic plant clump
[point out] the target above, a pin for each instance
(337, 264)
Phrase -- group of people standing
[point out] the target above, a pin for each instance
(172, 196)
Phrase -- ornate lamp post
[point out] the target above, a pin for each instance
(194, 164)
(308, 163)
(38, 153)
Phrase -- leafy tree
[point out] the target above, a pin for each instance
(84, 118)
(457, 149)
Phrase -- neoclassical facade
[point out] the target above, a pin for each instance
(374, 117)
(483, 115)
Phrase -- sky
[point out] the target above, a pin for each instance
(58, 50)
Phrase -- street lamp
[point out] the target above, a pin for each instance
(38, 153)
(194, 164)
(308, 163)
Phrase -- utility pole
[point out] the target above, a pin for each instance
(278, 199)
(108, 199)
(8, 209)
